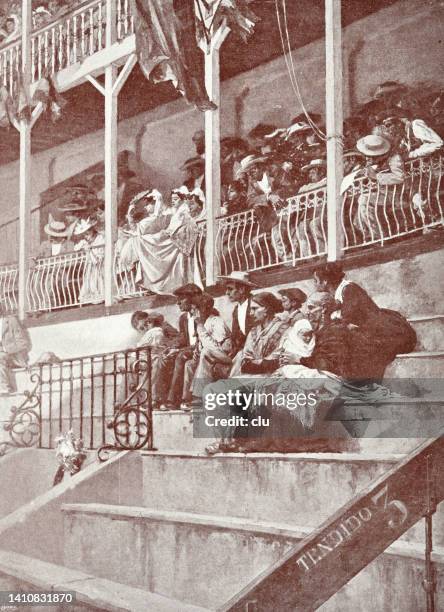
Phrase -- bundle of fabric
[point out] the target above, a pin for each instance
(167, 40)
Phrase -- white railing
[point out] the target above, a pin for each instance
(372, 214)
(65, 42)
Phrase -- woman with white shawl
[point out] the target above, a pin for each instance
(166, 257)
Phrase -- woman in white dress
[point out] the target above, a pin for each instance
(92, 242)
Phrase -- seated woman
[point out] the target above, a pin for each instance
(211, 358)
(165, 258)
(92, 242)
(263, 339)
(384, 333)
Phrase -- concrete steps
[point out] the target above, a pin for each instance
(430, 332)
(19, 572)
(197, 558)
(300, 490)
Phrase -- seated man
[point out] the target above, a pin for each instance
(173, 359)
(238, 289)
(14, 349)
(211, 359)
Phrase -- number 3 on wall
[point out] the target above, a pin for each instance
(393, 505)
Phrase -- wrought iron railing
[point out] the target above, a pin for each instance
(65, 41)
(105, 399)
(372, 214)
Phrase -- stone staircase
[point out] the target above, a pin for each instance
(192, 530)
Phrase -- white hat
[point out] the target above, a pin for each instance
(238, 277)
(83, 226)
(373, 145)
(57, 229)
(248, 162)
(300, 126)
(314, 163)
(183, 190)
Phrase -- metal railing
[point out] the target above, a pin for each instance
(64, 42)
(372, 214)
(105, 399)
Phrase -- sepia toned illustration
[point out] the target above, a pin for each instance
(222, 334)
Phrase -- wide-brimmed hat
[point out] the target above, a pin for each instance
(353, 153)
(314, 163)
(373, 145)
(388, 87)
(58, 229)
(249, 162)
(300, 126)
(269, 300)
(234, 142)
(294, 294)
(261, 130)
(238, 277)
(142, 195)
(72, 207)
(182, 191)
(193, 162)
(83, 226)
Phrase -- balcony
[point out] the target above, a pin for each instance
(372, 216)
(72, 46)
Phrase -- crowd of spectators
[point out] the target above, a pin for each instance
(43, 12)
(337, 335)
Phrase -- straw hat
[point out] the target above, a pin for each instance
(58, 229)
(373, 145)
(314, 163)
(238, 277)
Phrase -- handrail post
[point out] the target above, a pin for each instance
(429, 582)
(334, 120)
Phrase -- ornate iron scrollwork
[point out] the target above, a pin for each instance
(24, 424)
(132, 422)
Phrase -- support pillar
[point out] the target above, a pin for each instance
(25, 166)
(110, 163)
(334, 127)
(212, 150)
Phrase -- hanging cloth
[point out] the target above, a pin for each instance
(167, 47)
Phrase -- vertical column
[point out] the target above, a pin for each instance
(334, 120)
(212, 150)
(212, 161)
(110, 159)
(25, 166)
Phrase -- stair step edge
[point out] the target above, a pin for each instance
(99, 592)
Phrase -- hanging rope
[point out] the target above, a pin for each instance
(288, 57)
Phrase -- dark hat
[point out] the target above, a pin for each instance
(192, 162)
(234, 142)
(261, 130)
(71, 207)
(388, 87)
(188, 290)
(294, 294)
(268, 300)
(302, 118)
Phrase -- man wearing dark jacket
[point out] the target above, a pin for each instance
(238, 289)
(173, 360)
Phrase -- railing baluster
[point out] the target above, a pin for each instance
(91, 433)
